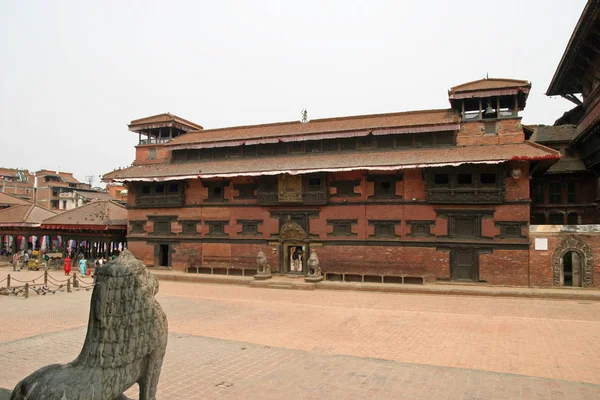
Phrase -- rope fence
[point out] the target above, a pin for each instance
(50, 285)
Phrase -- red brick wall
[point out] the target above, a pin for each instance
(501, 267)
(473, 133)
(541, 260)
(141, 154)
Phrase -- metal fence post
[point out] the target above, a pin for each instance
(8, 281)
(46, 278)
(27, 290)
(75, 282)
(69, 286)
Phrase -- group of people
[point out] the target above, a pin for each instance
(82, 263)
(21, 259)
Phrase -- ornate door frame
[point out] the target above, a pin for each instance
(573, 243)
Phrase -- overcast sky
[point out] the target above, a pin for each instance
(74, 73)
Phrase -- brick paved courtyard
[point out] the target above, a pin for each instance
(238, 342)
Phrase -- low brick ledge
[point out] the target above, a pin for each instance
(452, 289)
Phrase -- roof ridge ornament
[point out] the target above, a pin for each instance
(304, 114)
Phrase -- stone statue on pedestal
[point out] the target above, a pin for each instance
(125, 342)
(314, 270)
(262, 267)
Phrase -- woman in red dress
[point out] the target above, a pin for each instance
(67, 265)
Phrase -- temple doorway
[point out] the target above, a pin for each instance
(294, 257)
(464, 264)
(572, 269)
(164, 255)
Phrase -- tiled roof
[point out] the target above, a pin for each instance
(164, 118)
(102, 213)
(7, 200)
(548, 134)
(568, 165)
(94, 195)
(490, 84)
(316, 162)
(8, 172)
(579, 53)
(65, 176)
(30, 215)
(425, 118)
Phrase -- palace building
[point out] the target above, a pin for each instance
(420, 196)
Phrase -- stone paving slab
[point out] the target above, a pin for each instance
(207, 368)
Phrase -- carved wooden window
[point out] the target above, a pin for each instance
(464, 223)
(249, 226)
(556, 219)
(571, 192)
(404, 141)
(511, 229)
(366, 142)
(385, 142)
(220, 152)
(346, 188)
(216, 190)
(465, 184)
(444, 139)
(234, 152)
(341, 227)
(384, 228)
(152, 154)
(162, 224)
(424, 140)
(216, 228)
(464, 226)
(179, 156)
(487, 178)
(555, 193)
(348, 144)
(441, 180)
(168, 194)
(137, 226)
(331, 145)
(464, 179)
(313, 146)
(250, 151)
(280, 149)
(297, 147)
(420, 228)
(314, 184)
(189, 227)
(246, 190)
(206, 154)
(384, 186)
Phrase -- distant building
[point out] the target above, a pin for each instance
(17, 182)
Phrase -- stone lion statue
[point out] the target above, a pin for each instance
(262, 265)
(125, 342)
(314, 268)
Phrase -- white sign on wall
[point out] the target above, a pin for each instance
(541, 244)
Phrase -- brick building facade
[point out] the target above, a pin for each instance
(403, 197)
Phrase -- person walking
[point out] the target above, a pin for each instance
(67, 265)
(25, 260)
(83, 266)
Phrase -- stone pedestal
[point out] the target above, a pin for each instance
(262, 277)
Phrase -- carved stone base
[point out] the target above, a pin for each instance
(313, 279)
(262, 277)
